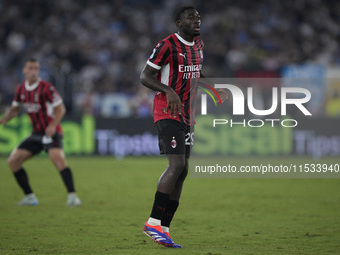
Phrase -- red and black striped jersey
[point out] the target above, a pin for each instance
(38, 101)
(179, 63)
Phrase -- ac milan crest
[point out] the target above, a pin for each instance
(173, 143)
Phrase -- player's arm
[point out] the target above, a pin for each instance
(11, 113)
(58, 112)
(147, 78)
(221, 92)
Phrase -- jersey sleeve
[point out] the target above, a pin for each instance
(53, 96)
(159, 56)
(17, 99)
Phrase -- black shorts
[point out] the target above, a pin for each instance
(174, 137)
(35, 143)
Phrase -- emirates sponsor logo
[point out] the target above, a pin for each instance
(190, 71)
(189, 68)
(32, 108)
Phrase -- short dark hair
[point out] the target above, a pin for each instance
(31, 60)
(181, 10)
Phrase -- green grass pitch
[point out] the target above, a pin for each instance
(216, 216)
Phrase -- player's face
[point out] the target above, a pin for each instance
(31, 71)
(190, 23)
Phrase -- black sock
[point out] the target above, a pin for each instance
(161, 199)
(66, 174)
(170, 210)
(22, 180)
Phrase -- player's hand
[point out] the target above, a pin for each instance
(174, 104)
(50, 130)
(223, 94)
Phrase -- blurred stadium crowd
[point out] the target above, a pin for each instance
(94, 50)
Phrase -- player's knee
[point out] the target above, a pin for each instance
(178, 165)
(59, 162)
(14, 164)
(10, 161)
(185, 170)
(54, 158)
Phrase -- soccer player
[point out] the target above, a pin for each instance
(45, 108)
(177, 61)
